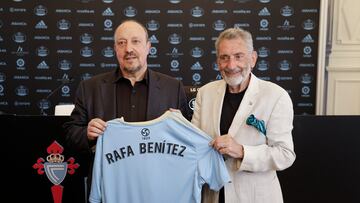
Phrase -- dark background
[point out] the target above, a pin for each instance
(326, 168)
(42, 45)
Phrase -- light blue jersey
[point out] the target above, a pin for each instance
(159, 161)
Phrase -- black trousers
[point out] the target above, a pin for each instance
(222, 195)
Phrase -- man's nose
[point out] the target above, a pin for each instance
(128, 47)
(232, 63)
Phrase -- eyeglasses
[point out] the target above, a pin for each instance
(240, 57)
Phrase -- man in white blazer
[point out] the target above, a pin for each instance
(250, 120)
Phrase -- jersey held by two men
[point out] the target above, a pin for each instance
(167, 159)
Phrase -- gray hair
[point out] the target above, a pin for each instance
(234, 33)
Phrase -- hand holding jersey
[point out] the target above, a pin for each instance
(227, 146)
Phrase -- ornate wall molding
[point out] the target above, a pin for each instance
(348, 31)
(343, 70)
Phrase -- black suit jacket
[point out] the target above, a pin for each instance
(96, 98)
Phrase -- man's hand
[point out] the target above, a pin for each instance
(226, 145)
(95, 128)
(175, 110)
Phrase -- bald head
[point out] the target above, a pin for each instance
(134, 25)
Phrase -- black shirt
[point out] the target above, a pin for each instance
(131, 100)
(231, 104)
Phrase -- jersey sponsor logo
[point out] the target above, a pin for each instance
(145, 132)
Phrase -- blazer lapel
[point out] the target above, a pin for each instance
(218, 103)
(108, 91)
(246, 106)
(153, 103)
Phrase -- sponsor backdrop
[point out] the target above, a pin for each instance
(48, 47)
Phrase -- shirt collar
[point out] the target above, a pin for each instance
(119, 77)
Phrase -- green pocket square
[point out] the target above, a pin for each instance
(258, 124)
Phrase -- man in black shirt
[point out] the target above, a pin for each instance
(132, 91)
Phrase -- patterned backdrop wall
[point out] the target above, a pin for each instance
(47, 47)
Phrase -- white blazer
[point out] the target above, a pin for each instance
(254, 178)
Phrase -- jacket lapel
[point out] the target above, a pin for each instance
(153, 103)
(218, 103)
(246, 105)
(108, 93)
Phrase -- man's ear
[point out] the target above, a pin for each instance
(148, 46)
(254, 57)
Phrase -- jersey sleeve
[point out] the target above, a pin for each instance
(96, 182)
(212, 170)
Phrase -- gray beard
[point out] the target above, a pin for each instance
(133, 70)
(233, 81)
